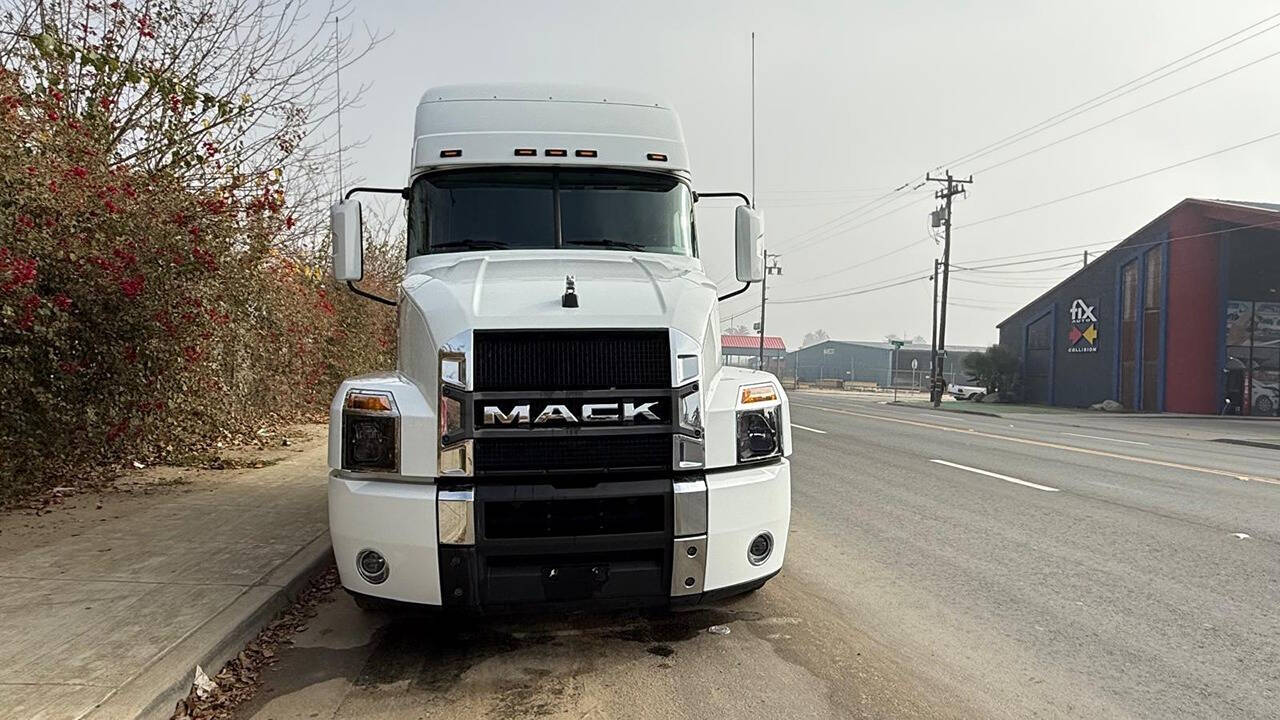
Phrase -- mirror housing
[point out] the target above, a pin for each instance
(748, 250)
(346, 232)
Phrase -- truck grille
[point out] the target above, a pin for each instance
(570, 518)
(571, 359)
(561, 453)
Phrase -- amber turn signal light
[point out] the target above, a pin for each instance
(757, 394)
(368, 402)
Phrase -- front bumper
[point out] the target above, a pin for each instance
(620, 543)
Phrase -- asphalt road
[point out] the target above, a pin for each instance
(940, 565)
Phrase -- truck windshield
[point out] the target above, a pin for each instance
(525, 208)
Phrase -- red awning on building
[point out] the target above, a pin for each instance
(771, 342)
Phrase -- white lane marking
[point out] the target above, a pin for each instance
(1099, 437)
(820, 432)
(1242, 536)
(998, 476)
(1041, 443)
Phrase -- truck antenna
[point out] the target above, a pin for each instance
(753, 118)
(337, 79)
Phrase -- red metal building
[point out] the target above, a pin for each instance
(1181, 316)
(744, 351)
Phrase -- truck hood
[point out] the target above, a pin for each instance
(523, 289)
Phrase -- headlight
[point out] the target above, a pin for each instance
(759, 422)
(370, 432)
(759, 434)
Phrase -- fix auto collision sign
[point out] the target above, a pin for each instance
(1082, 336)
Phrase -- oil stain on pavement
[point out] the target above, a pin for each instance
(785, 655)
(369, 665)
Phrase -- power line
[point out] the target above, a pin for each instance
(835, 191)
(868, 261)
(869, 206)
(1116, 183)
(1094, 101)
(1123, 115)
(849, 293)
(908, 278)
(1269, 224)
(834, 232)
(984, 268)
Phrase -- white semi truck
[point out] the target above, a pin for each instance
(559, 429)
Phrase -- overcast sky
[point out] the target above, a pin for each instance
(854, 99)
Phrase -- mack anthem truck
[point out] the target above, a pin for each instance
(560, 429)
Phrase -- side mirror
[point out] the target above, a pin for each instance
(749, 256)
(345, 229)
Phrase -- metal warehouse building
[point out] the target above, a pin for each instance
(873, 362)
(1182, 316)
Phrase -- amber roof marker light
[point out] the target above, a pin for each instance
(657, 157)
(584, 153)
(526, 152)
(555, 152)
(450, 153)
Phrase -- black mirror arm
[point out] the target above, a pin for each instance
(699, 195)
(351, 285)
(735, 293)
(402, 192)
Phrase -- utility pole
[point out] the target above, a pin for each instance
(774, 269)
(933, 336)
(953, 187)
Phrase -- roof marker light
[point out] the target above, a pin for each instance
(555, 152)
(657, 157)
(585, 153)
(526, 152)
(450, 153)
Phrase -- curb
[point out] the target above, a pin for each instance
(958, 412)
(166, 679)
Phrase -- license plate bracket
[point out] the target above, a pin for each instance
(574, 581)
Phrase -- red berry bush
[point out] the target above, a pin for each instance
(164, 278)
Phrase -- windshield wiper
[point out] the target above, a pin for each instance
(606, 242)
(469, 243)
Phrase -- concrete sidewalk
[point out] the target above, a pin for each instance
(108, 604)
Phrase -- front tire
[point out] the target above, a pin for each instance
(1264, 406)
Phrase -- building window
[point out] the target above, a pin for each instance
(1252, 371)
(1128, 334)
(1152, 307)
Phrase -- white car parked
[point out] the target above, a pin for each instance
(966, 392)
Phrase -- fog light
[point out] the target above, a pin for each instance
(760, 549)
(372, 566)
